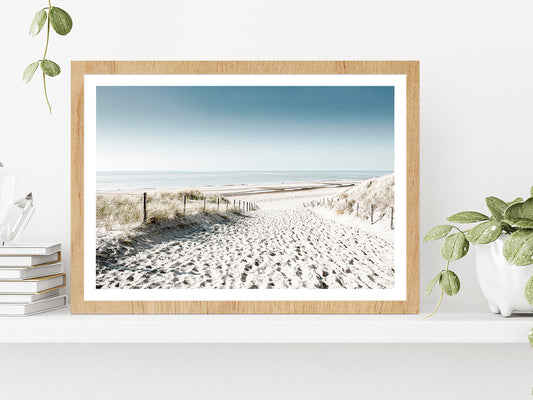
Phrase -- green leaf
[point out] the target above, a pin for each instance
(449, 283)
(38, 22)
(531, 191)
(528, 293)
(454, 247)
(507, 228)
(438, 232)
(517, 200)
(50, 68)
(29, 71)
(485, 232)
(520, 223)
(530, 337)
(467, 217)
(518, 248)
(496, 207)
(520, 210)
(60, 20)
(432, 284)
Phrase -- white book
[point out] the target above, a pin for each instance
(40, 306)
(28, 261)
(32, 286)
(30, 249)
(28, 298)
(27, 273)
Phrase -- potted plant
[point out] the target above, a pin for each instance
(504, 266)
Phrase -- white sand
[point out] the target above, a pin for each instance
(282, 245)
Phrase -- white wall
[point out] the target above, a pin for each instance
(476, 104)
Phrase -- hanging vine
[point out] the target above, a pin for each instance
(61, 21)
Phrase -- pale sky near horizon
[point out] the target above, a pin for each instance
(202, 128)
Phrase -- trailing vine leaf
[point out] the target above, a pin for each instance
(38, 22)
(432, 284)
(50, 68)
(449, 283)
(438, 232)
(30, 71)
(60, 20)
(518, 248)
(455, 247)
(485, 232)
(528, 291)
(466, 217)
(496, 207)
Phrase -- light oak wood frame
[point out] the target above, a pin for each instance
(81, 68)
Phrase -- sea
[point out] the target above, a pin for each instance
(135, 180)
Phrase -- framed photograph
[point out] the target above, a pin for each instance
(245, 187)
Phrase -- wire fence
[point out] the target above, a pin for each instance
(374, 214)
(124, 209)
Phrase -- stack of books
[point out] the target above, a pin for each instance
(31, 276)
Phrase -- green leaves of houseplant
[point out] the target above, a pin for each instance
(449, 283)
(454, 247)
(30, 71)
(520, 215)
(438, 232)
(485, 232)
(496, 207)
(467, 217)
(50, 68)
(61, 22)
(518, 248)
(514, 218)
(38, 22)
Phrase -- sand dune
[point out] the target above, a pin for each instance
(281, 246)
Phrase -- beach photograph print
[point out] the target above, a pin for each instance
(246, 192)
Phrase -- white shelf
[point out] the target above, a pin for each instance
(474, 326)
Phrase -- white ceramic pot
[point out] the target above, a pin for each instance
(502, 284)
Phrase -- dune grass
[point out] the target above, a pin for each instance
(124, 211)
(376, 192)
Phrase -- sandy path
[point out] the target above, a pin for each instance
(270, 248)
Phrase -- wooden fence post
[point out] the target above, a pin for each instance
(357, 214)
(144, 207)
(372, 214)
(227, 202)
(218, 203)
(392, 217)
(239, 205)
(184, 204)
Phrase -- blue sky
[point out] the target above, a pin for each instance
(186, 128)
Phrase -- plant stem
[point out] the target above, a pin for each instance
(438, 305)
(44, 55)
(440, 299)
(46, 94)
